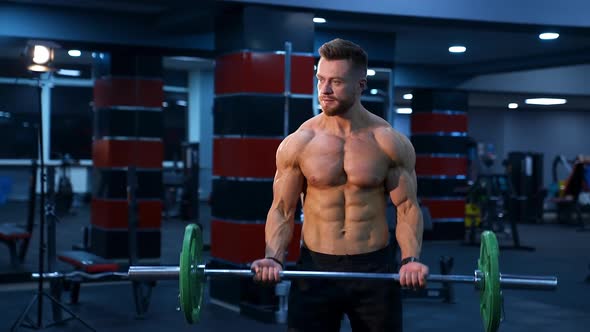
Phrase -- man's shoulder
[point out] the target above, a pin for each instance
(302, 135)
(296, 141)
(393, 142)
(305, 132)
(384, 131)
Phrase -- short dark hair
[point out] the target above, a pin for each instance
(341, 49)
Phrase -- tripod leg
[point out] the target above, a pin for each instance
(19, 321)
(66, 309)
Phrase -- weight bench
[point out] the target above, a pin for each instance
(86, 262)
(13, 236)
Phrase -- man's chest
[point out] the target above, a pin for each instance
(329, 161)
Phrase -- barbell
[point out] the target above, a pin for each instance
(192, 274)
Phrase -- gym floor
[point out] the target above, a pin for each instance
(108, 306)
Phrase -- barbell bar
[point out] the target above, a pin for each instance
(192, 274)
(149, 273)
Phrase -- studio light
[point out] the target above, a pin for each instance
(39, 56)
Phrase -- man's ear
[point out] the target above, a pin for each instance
(363, 84)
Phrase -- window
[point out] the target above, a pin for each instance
(71, 122)
(19, 121)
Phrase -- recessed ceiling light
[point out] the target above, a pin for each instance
(404, 110)
(370, 72)
(457, 49)
(319, 20)
(548, 35)
(408, 96)
(74, 53)
(69, 72)
(374, 91)
(545, 101)
(513, 106)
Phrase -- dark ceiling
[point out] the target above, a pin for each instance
(491, 47)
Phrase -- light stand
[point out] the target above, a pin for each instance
(24, 320)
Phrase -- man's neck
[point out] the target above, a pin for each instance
(346, 123)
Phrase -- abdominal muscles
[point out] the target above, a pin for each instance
(345, 220)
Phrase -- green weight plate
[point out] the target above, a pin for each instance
(490, 295)
(191, 279)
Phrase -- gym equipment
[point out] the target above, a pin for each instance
(15, 236)
(142, 291)
(491, 204)
(90, 266)
(487, 278)
(525, 172)
(189, 202)
(64, 197)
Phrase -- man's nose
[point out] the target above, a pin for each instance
(326, 89)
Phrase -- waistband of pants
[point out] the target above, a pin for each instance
(383, 255)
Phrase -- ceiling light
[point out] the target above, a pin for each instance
(513, 106)
(374, 91)
(546, 101)
(370, 72)
(69, 72)
(319, 20)
(457, 49)
(408, 96)
(181, 102)
(548, 35)
(404, 110)
(74, 53)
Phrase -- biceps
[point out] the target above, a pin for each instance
(287, 187)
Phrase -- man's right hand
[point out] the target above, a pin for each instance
(266, 270)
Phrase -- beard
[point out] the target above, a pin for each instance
(336, 107)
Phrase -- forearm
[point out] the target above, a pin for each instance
(409, 229)
(278, 233)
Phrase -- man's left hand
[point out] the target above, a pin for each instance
(413, 275)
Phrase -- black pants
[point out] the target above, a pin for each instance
(371, 305)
